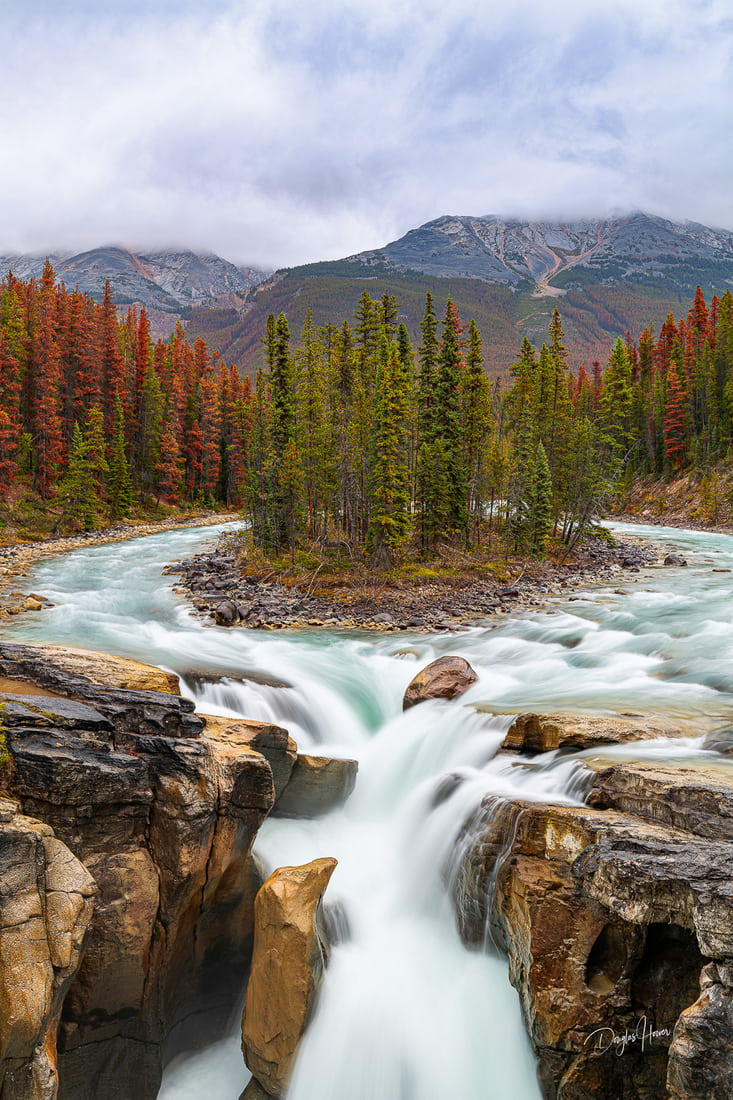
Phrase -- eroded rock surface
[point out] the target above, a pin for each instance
(46, 902)
(161, 817)
(609, 919)
(287, 967)
(535, 733)
(317, 785)
(445, 678)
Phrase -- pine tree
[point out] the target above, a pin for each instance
(119, 485)
(79, 489)
(46, 397)
(477, 422)
(448, 415)
(390, 475)
(675, 440)
(540, 512)
(10, 422)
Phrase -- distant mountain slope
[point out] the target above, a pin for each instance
(638, 247)
(606, 276)
(165, 282)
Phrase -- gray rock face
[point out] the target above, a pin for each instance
(317, 785)
(128, 710)
(513, 252)
(167, 280)
(700, 1063)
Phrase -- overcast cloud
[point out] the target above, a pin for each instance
(281, 131)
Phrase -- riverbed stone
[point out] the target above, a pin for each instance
(537, 733)
(287, 968)
(317, 785)
(444, 678)
(271, 741)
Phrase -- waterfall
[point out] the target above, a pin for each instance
(406, 1011)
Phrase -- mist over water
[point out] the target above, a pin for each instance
(406, 1012)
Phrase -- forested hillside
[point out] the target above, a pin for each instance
(357, 436)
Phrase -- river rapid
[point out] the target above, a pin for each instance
(406, 1012)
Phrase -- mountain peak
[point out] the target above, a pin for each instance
(515, 252)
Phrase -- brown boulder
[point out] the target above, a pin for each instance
(701, 1055)
(242, 735)
(317, 785)
(287, 967)
(446, 678)
(46, 903)
(535, 733)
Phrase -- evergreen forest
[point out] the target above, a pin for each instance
(350, 436)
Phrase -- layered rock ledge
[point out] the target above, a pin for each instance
(127, 882)
(618, 925)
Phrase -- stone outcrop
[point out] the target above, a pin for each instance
(536, 733)
(445, 678)
(317, 785)
(255, 1091)
(618, 927)
(113, 672)
(700, 1063)
(159, 815)
(46, 902)
(272, 742)
(287, 967)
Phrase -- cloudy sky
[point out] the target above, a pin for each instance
(281, 131)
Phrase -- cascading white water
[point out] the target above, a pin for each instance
(406, 1011)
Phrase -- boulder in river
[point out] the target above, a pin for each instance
(271, 741)
(287, 967)
(536, 733)
(317, 785)
(445, 678)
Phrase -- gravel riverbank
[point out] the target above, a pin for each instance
(216, 587)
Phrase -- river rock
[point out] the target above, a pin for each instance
(445, 678)
(317, 785)
(674, 559)
(46, 904)
(272, 742)
(287, 967)
(695, 798)
(536, 733)
(113, 672)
